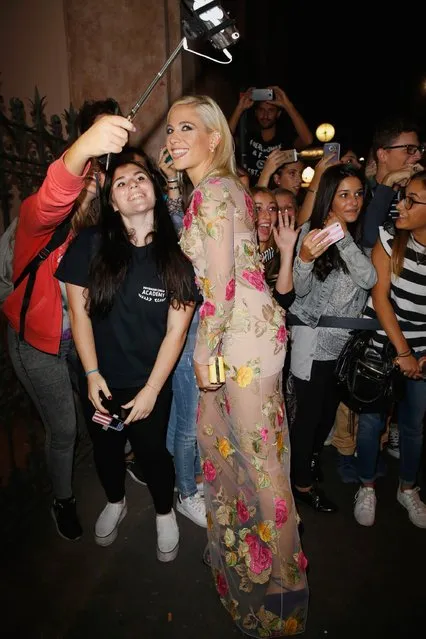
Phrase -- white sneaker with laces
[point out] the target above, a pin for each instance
(106, 528)
(193, 507)
(167, 536)
(365, 506)
(393, 442)
(410, 499)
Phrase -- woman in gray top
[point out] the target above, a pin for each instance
(331, 280)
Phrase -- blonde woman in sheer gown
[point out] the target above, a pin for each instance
(257, 562)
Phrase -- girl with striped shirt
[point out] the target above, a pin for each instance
(399, 296)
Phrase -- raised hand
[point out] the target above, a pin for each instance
(280, 98)
(109, 134)
(165, 164)
(314, 244)
(286, 234)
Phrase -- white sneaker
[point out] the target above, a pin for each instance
(410, 499)
(106, 528)
(167, 537)
(365, 506)
(193, 507)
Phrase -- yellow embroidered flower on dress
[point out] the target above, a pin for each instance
(280, 442)
(265, 531)
(290, 626)
(224, 447)
(244, 376)
(209, 520)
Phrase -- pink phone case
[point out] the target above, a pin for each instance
(332, 233)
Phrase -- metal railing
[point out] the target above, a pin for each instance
(27, 148)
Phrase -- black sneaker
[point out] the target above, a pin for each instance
(135, 472)
(64, 514)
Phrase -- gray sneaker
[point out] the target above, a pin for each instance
(411, 501)
(365, 506)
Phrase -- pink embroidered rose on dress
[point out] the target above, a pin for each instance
(221, 585)
(264, 434)
(207, 309)
(281, 334)
(260, 555)
(242, 511)
(249, 205)
(255, 278)
(196, 201)
(281, 512)
(230, 290)
(209, 471)
(187, 219)
(302, 562)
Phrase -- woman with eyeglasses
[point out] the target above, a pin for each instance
(398, 300)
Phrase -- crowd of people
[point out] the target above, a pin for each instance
(155, 273)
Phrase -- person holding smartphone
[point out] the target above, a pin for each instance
(130, 291)
(332, 278)
(266, 128)
(398, 301)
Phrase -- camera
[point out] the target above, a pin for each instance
(262, 95)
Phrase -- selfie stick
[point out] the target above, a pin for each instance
(222, 33)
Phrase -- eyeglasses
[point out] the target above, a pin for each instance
(409, 201)
(410, 148)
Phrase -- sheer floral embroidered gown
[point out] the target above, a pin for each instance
(257, 562)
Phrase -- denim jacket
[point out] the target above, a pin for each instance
(312, 294)
(312, 297)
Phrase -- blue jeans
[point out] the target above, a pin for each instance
(411, 411)
(182, 429)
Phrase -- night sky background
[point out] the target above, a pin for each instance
(336, 65)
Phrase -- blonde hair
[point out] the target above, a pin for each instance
(223, 159)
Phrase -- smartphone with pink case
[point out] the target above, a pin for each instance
(332, 233)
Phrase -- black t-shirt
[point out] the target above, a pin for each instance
(128, 339)
(257, 150)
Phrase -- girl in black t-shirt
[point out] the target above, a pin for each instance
(130, 291)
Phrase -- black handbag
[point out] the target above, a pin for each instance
(368, 379)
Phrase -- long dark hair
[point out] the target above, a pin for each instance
(329, 183)
(112, 260)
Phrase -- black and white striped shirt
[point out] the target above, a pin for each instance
(407, 293)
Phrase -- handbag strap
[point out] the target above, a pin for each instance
(58, 238)
(352, 323)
